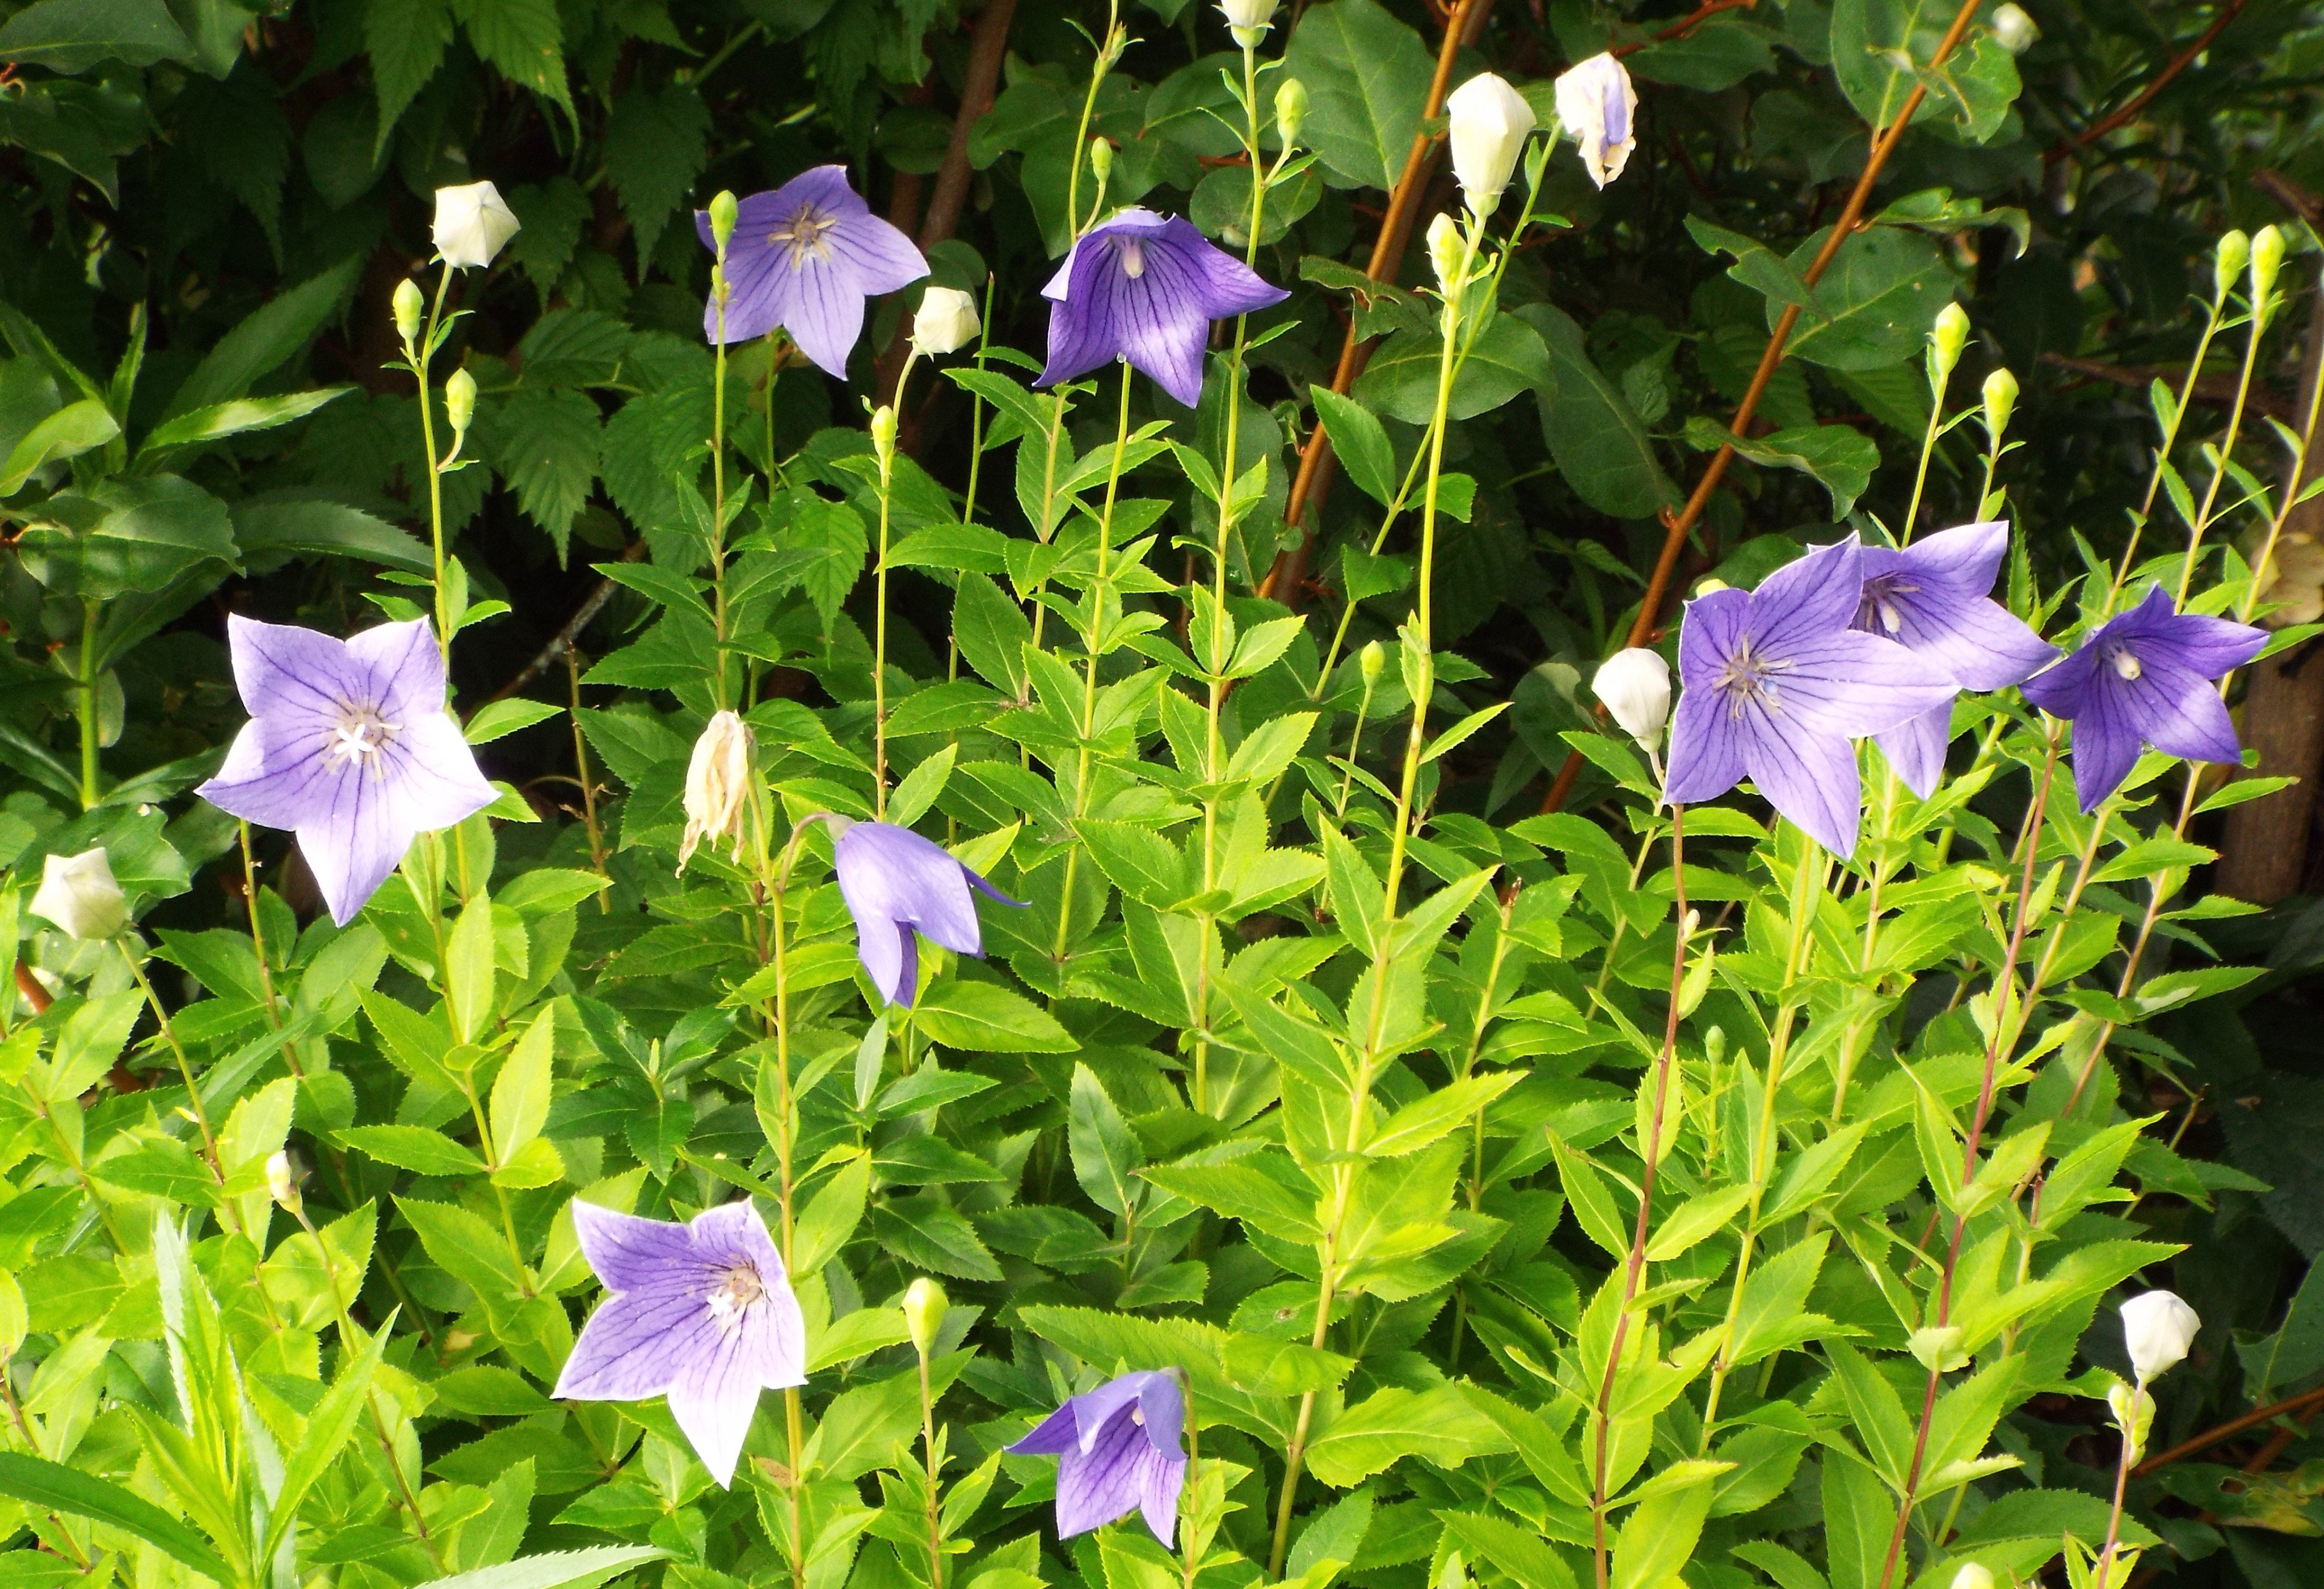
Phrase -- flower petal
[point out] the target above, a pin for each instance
(2177, 710)
(1978, 641)
(404, 669)
(1107, 1481)
(1807, 599)
(289, 673)
(1809, 776)
(627, 1254)
(1222, 284)
(759, 291)
(881, 258)
(1161, 325)
(274, 775)
(1848, 683)
(1711, 628)
(630, 1349)
(1706, 753)
(826, 313)
(1164, 1480)
(1966, 558)
(897, 873)
(1054, 1436)
(431, 774)
(1915, 749)
(2106, 748)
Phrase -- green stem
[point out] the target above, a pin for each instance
(85, 709)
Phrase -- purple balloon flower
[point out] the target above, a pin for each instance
(1932, 597)
(1146, 288)
(1776, 684)
(805, 257)
(2151, 675)
(700, 1313)
(349, 746)
(1118, 1452)
(895, 883)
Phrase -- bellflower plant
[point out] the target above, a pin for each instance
(1145, 287)
(2149, 676)
(898, 885)
(804, 258)
(1933, 598)
(349, 746)
(701, 1313)
(1776, 682)
(1118, 1450)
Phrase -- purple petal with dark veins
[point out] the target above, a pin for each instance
(1807, 599)
(2177, 710)
(1809, 776)
(1851, 684)
(1915, 749)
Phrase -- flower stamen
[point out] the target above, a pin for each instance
(802, 235)
(2127, 664)
(360, 736)
(739, 1287)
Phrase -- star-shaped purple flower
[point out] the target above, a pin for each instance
(349, 746)
(1933, 597)
(1118, 1450)
(700, 1313)
(1146, 288)
(805, 257)
(2148, 676)
(897, 883)
(1777, 684)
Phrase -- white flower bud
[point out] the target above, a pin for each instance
(1974, 1574)
(717, 785)
(1446, 253)
(945, 323)
(924, 1312)
(1596, 105)
(2014, 31)
(1248, 20)
(282, 1184)
(77, 893)
(2158, 1329)
(1491, 123)
(1634, 685)
(472, 224)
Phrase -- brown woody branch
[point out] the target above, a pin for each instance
(2216, 389)
(2306, 1402)
(2146, 96)
(1677, 526)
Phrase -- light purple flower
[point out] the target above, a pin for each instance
(805, 257)
(2151, 675)
(895, 883)
(1118, 1450)
(700, 1313)
(1777, 684)
(1146, 288)
(349, 746)
(1933, 598)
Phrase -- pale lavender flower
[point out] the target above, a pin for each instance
(1118, 1450)
(1932, 597)
(349, 746)
(895, 883)
(700, 1313)
(2149, 675)
(1146, 288)
(1777, 684)
(805, 257)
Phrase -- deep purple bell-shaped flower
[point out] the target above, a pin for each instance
(2151, 676)
(1145, 287)
(1117, 1451)
(896, 884)
(701, 1313)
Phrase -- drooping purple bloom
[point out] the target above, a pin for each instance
(349, 746)
(1146, 288)
(2148, 676)
(1118, 1450)
(805, 257)
(896, 883)
(1933, 597)
(1777, 684)
(700, 1313)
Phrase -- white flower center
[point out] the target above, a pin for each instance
(801, 236)
(359, 735)
(1746, 678)
(1878, 612)
(1138, 1415)
(1133, 256)
(732, 1297)
(2127, 664)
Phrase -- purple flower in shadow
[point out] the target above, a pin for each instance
(1777, 684)
(349, 746)
(1146, 288)
(1933, 597)
(805, 257)
(2151, 676)
(700, 1313)
(1117, 1451)
(896, 884)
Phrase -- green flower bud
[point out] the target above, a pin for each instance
(883, 430)
(1948, 336)
(2000, 400)
(721, 221)
(460, 400)
(282, 1183)
(1370, 660)
(924, 1313)
(1446, 253)
(1704, 587)
(1101, 159)
(1714, 1045)
(2266, 259)
(1290, 110)
(2235, 252)
(410, 305)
